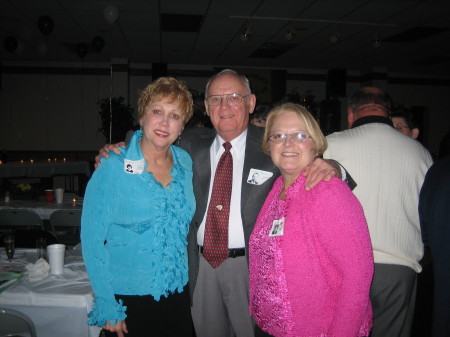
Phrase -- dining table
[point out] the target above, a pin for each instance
(43, 208)
(57, 304)
(72, 175)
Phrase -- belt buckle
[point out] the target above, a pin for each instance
(235, 252)
(232, 252)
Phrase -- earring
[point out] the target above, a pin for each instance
(140, 127)
(178, 140)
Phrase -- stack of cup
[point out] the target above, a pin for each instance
(56, 255)
(49, 195)
(59, 195)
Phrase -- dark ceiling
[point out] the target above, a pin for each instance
(399, 35)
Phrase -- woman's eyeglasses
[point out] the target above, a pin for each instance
(295, 137)
(401, 127)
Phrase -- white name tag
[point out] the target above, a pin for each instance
(134, 166)
(258, 177)
(277, 227)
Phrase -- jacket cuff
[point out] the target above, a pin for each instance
(105, 310)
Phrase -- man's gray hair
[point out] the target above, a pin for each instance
(229, 72)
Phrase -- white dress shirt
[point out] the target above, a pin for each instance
(235, 228)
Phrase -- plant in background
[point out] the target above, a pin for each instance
(23, 191)
(308, 100)
(121, 118)
(24, 187)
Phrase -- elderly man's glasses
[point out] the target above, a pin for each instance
(295, 137)
(231, 99)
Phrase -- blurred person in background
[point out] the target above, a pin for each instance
(434, 212)
(389, 170)
(404, 121)
(259, 116)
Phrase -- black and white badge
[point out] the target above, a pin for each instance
(258, 177)
(277, 227)
(133, 166)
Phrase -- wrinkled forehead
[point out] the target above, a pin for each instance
(227, 84)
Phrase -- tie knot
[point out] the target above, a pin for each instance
(227, 146)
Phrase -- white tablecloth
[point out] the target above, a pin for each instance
(58, 305)
(43, 208)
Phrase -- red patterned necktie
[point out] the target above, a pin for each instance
(215, 245)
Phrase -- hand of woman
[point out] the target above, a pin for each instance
(120, 328)
(104, 151)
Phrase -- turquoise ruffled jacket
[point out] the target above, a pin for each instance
(134, 231)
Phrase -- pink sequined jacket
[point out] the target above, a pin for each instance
(314, 280)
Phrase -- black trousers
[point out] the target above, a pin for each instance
(168, 317)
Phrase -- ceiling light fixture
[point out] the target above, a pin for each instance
(245, 34)
(289, 35)
(376, 41)
(335, 37)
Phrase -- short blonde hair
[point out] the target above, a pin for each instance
(171, 88)
(312, 127)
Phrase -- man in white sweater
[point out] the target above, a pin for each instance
(389, 169)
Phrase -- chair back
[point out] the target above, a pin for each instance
(14, 323)
(26, 238)
(13, 217)
(66, 218)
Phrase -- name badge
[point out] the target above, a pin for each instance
(258, 177)
(277, 227)
(133, 166)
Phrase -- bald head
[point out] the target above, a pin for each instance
(368, 101)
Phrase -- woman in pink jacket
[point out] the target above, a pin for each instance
(311, 261)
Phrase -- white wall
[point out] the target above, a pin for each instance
(51, 112)
(60, 112)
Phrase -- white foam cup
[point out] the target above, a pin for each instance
(55, 254)
(59, 195)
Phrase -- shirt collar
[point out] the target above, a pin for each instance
(372, 119)
(133, 150)
(238, 143)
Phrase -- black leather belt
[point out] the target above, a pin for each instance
(232, 252)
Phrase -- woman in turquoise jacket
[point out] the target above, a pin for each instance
(136, 214)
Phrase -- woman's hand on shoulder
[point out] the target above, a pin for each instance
(104, 151)
(120, 328)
